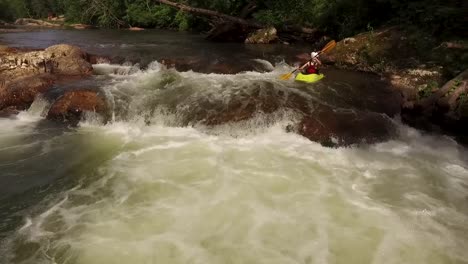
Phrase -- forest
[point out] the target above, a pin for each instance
(338, 18)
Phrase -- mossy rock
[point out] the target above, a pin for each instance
(262, 36)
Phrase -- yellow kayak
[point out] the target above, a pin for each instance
(309, 78)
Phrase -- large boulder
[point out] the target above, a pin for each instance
(319, 122)
(308, 114)
(24, 75)
(67, 60)
(335, 128)
(72, 104)
(262, 36)
(20, 93)
(59, 59)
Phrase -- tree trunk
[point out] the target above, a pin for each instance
(431, 100)
(452, 101)
(235, 20)
(211, 13)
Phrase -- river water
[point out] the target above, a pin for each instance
(146, 189)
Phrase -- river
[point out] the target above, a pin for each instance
(147, 188)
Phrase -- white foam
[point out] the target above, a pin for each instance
(246, 192)
(177, 195)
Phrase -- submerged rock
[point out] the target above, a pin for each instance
(25, 75)
(8, 112)
(72, 104)
(20, 93)
(334, 128)
(306, 113)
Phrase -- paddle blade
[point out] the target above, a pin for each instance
(330, 45)
(286, 76)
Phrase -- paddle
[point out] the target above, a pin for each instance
(330, 45)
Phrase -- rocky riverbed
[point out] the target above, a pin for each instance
(29, 74)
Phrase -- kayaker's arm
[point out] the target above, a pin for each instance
(303, 66)
(316, 60)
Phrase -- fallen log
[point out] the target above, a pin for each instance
(211, 13)
(222, 18)
(435, 97)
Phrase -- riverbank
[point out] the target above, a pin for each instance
(432, 77)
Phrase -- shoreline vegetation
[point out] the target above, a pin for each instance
(419, 47)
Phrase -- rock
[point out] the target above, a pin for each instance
(19, 94)
(24, 75)
(81, 26)
(58, 59)
(332, 128)
(262, 36)
(68, 60)
(70, 106)
(8, 112)
(96, 59)
(200, 64)
(135, 29)
(310, 118)
(4, 50)
(349, 40)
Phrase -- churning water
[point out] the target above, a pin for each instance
(147, 188)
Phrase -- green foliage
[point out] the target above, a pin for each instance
(339, 18)
(268, 17)
(12, 9)
(164, 16)
(183, 21)
(426, 90)
(4, 7)
(140, 13)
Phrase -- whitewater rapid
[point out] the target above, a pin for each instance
(157, 192)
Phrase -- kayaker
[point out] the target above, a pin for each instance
(311, 67)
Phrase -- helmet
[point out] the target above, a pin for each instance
(314, 54)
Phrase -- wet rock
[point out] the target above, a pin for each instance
(334, 128)
(70, 106)
(59, 59)
(96, 59)
(4, 50)
(309, 118)
(67, 60)
(198, 64)
(262, 36)
(19, 94)
(8, 112)
(24, 75)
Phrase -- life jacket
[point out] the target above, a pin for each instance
(312, 69)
